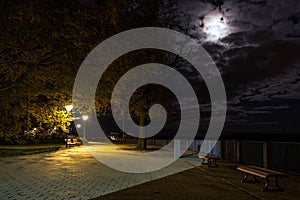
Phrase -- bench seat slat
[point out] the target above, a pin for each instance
(208, 156)
(254, 172)
(261, 172)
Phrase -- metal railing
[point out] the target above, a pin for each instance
(283, 156)
(251, 153)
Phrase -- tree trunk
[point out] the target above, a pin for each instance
(142, 142)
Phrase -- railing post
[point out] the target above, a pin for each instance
(221, 149)
(265, 154)
(226, 147)
(238, 151)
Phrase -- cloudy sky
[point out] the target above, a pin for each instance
(256, 46)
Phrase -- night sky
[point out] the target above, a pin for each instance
(255, 45)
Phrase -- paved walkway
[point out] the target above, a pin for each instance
(70, 174)
(75, 174)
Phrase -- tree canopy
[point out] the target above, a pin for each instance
(42, 46)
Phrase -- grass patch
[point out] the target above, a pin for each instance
(19, 150)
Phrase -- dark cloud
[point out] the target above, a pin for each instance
(248, 64)
(259, 59)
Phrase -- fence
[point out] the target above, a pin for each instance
(284, 156)
(273, 155)
(184, 144)
(228, 150)
(251, 153)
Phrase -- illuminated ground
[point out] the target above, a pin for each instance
(70, 174)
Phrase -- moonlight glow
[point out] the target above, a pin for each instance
(215, 27)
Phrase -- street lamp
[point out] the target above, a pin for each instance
(85, 118)
(78, 125)
(69, 107)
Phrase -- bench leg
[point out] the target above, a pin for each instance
(212, 162)
(244, 180)
(216, 163)
(266, 188)
(205, 162)
(277, 185)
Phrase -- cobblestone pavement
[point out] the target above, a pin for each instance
(70, 174)
(75, 174)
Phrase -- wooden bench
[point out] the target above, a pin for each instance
(211, 160)
(69, 143)
(77, 142)
(262, 173)
(72, 142)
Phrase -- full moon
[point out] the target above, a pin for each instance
(215, 27)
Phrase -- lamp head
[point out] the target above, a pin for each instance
(69, 107)
(85, 117)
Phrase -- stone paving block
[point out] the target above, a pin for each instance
(75, 174)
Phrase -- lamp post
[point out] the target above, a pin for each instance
(68, 109)
(85, 118)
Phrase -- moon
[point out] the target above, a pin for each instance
(215, 26)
